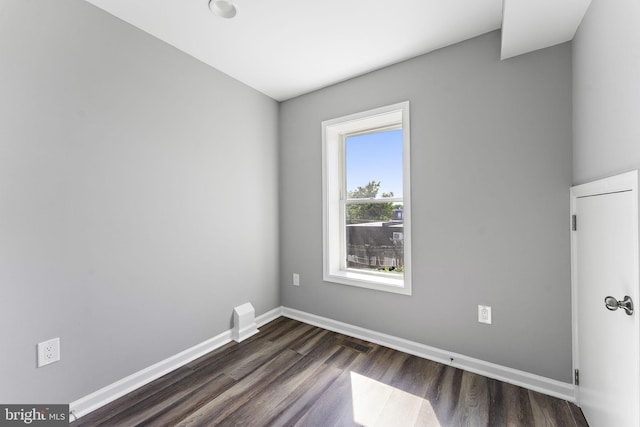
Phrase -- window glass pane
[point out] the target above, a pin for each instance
(375, 237)
(374, 165)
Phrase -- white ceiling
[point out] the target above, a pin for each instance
(531, 25)
(285, 48)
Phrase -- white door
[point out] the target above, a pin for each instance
(605, 264)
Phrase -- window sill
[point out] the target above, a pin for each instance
(380, 282)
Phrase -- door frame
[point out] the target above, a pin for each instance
(623, 182)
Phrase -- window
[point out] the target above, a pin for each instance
(367, 229)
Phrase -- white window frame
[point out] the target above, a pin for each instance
(334, 193)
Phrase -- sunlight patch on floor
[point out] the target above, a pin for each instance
(379, 404)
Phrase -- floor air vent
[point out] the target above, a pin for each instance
(360, 348)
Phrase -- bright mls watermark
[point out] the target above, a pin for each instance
(34, 415)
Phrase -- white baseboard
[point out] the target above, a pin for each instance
(269, 316)
(534, 382)
(97, 399)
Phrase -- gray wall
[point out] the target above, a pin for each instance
(606, 90)
(138, 199)
(491, 171)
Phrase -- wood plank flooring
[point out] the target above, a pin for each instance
(294, 374)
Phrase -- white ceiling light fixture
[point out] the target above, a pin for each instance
(223, 8)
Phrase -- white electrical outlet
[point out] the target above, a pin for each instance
(48, 352)
(296, 279)
(484, 314)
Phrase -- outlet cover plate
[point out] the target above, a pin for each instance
(48, 352)
(484, 314)
(296, 279)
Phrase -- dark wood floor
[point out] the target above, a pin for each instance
(294, 374)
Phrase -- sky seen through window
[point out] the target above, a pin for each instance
(375, 157)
